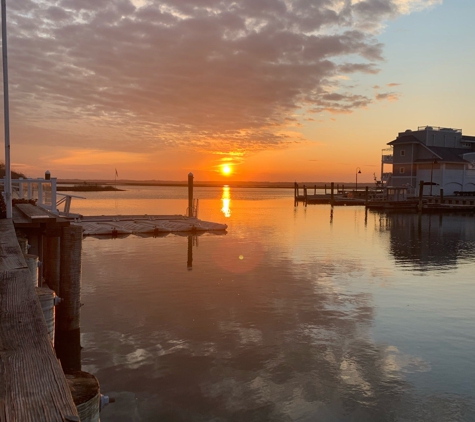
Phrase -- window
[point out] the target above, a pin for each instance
(402, 170)
(403, 153)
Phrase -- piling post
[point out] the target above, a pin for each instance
(189, 262)
(70, 273)
(441, 195)
(366, 195)
(421, 191)
(190, 195)
(51, 261)
(325, 188)
(314, 189)
(305, 194)
(296, 192)
(332, 195)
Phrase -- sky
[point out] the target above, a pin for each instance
(267, 90)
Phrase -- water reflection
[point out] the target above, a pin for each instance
(226, 201)
(427, 241)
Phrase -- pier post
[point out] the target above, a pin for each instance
(190, 195)
(189, 261)
(70, 272)
(421, 191)
(314, 189)
(51, 261)
(441, 195)
(325, 188)
(366, 195)
(296, 193)
(332, 195)
(305, 194)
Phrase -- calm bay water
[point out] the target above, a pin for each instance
(293, 315)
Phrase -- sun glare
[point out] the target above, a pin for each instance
(226, 170)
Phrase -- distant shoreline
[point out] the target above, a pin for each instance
(231, 184)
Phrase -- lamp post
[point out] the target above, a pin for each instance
(8, 174)
(358, 171)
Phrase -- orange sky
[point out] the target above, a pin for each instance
(156, 89)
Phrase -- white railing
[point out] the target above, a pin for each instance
(41, 190)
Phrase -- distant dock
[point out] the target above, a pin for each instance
(334, 195)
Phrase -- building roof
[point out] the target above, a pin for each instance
(405, 139)
(452, 155)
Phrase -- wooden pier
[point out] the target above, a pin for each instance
(334, 195)
(33, 387)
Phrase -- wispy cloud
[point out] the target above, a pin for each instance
(191, 73)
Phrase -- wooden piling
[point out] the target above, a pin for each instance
(421, 192)
(32, 263)
(86, 394)
(305, 194)
(70, 273)
(441, 195)
(366, 195)
(190, 195)
(332, 195)
(46, 296)
(51, 262)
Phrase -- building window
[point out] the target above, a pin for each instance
(403, 153)
(402, 170)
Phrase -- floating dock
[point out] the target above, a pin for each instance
(144, 224)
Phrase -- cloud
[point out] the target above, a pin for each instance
(165, 74)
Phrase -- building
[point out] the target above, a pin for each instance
(443, 158)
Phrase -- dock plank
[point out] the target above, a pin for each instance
(9, 258)
(32, 384)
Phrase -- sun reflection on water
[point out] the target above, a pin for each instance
(226, 200)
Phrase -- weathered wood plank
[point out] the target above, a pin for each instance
(34, 215)
(32, 384)
(10, 254)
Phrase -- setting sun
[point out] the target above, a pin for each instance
(226, 170)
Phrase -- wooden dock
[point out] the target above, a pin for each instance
(33, 387)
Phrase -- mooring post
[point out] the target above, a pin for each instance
(51, 260)
(189, 261)
(190, 195)
(421, 191)
(305, 194)
(70, 273)
(332, 195)
(296, 193)
(441, 195)
(366, 195)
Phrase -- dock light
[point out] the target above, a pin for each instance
(358, 171)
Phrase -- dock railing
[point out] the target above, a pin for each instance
(41, 190)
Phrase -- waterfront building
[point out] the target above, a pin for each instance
(443, 158)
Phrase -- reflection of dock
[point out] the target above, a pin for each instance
(145, 224)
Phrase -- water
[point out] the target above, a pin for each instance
(293, 315)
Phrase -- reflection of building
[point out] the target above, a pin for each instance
(441, 157)
(430, 240)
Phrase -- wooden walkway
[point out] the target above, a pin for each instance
(33, 387)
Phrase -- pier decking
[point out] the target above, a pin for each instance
(33, 387)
